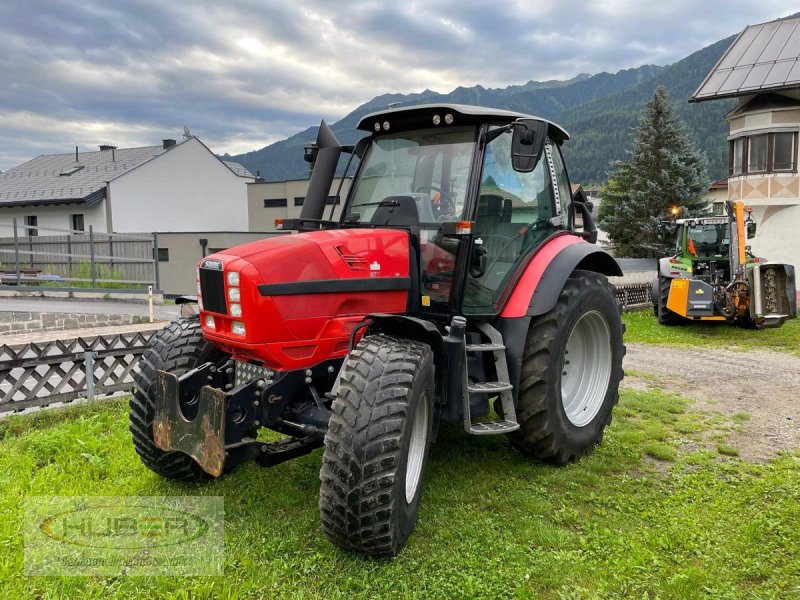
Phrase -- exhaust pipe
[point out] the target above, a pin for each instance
(327, 153)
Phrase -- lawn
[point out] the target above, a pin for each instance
(643, 327)
(651, 513)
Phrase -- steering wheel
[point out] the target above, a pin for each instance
(446, 205)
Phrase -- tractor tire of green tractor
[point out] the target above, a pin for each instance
(377, 445)
(571, 369)
(665, 315)
(177, 348)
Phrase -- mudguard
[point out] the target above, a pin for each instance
(538, 288)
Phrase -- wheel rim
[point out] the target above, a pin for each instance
(586, 369)
(416, 447)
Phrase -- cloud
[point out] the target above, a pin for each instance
(247, 73)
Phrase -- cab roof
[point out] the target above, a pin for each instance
(421, 116)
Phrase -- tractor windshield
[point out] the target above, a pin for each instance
(708, 240)
(413, 177)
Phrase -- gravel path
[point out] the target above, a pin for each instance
(763, 383)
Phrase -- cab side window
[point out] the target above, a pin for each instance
(514, 214)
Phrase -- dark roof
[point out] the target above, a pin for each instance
(39, 181)
(239, 170)
(764, 57)
(471, 113)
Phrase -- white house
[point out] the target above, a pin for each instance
(762, 70)
(172, 187)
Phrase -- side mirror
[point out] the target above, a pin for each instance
(527, 144)
(751, 230)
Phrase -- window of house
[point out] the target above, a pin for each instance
(298, 200)
(77, 223)
(163, 255)
(274, 202)
(31, 223)
(757, 153)
(783, 152)
(737, 149)
(763, 153)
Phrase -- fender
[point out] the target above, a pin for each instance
(541, 283)
(664, 270)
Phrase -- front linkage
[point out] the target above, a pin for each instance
(206, 415)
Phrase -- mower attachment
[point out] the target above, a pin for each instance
(202, 438)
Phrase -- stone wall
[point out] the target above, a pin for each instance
(20, 321)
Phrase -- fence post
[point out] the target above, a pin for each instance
(155, 261)
(16, 248)
(88, 363)
(91, 254)
(69, 255)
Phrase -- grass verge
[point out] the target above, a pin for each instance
(643, 327)
(643, 516)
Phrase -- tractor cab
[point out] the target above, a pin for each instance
(448, 175)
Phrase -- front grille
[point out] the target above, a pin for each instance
(212, 288)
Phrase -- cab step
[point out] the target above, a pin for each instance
(501, 388)
(493, 427)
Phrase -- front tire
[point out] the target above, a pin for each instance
(178, 348)
(665, 315)
(377, 445)
(571, 369)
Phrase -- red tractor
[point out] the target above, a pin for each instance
(455, 287)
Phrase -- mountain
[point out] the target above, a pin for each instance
(601, 129)
(548, 99)
(600, 112)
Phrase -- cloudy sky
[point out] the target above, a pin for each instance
(246, 73)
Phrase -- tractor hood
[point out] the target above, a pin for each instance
(286, 301)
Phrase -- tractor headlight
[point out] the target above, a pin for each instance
(237, 327)
(234, 295)
(235, 310)
(233, 278)
(210, 322)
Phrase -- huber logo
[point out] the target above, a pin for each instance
(124, 527)
(124, 536)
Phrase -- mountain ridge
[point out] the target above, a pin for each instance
(547, 99)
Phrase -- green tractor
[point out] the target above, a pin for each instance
(714, 276)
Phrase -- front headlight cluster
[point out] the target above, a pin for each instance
(234, 299)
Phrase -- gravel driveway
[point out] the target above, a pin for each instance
(763, 383)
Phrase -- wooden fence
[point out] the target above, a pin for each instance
(72, 258)
(39, 374)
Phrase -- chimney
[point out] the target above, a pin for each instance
(76, 154)
(168, 143)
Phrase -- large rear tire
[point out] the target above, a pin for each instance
(377, 445)
(571, 369)
(177, 348)
(665, 315)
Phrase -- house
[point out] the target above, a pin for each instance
(270, 200)
(172, 187)
(762, 70)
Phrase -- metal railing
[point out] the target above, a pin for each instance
(634, 296)
(39, 374)
(76, 259)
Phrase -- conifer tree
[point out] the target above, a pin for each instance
(664, 170)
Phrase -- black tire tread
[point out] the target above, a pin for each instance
(363, 443)
(665, 315)
(538, 381)
(177, 348)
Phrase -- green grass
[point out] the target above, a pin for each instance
(492, 523)
(643, 327)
